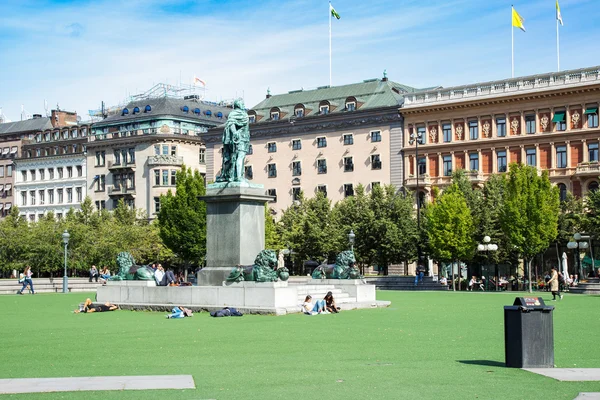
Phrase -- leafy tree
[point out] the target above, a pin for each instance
(273, 239)
(182, 218)
(530, 212)
(450, 228)
(14, 241)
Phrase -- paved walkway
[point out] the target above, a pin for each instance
(568, 374)
(588, 396)
(42, 385)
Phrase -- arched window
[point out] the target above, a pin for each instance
(275, 114)
(125, 111)
(350, 103)
(208, 113)
(324, 107)
(562, 191)
(299, 110)
(136, 110)
(252, 117)
(219, 114)
(197, 111)
(185, 109)
(148, 108)
(593, 186)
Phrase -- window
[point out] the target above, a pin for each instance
(42, 173)
(23, 198)
(296, 168)
(165, 177)
(100, 205)
(156, 205)
(252, 119)
(592, 116)
(348, 164)
(131, 155)
(248, 172)
(348, 190)
(46, 152)
(173, 177)
(376, 136)
(296, 144)
(79, 170)
(447, 132)
(375, 184)
(165, 149)
(41, 194)
(375, 161)
(593, 186)
(322, 166)
(272, 193)
(530, 124)
(501, 158)
(422, 166)
(102, 183)
(322, 189)
(474, 162)
(202, 156)
(24, 176)
(350, 106)
(173, 152)
(59, 170)
(447, 165)
(156, 149)
(299, 112)
(560, 120)
(156, 177)
(250, 150)
(32, 174)
(9, 170)
(562, 190)
(32, 197)
(100, 158)
(272, 170)
(38, 152)
(50, 196)
(321, 142)
(59, 216)
(1, 171)
(69, 172)
(593, 152)
(348, 138)
(473, 130)
(69, 195)
(324, 110)
(501, 127)
(272, 147)
(275, 115)
(79, 193)
(530, 157)
(296, 193)
(561, 157)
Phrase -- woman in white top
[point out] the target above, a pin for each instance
(310, 309)
(27, 274)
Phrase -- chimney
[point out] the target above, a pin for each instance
(268, 93)
(36, 116)
(60, 118)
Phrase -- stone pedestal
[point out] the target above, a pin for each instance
(235, 228)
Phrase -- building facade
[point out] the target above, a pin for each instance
(12, 135)
(330, 139)
(135, 154)
(50, 175)
(548, 121)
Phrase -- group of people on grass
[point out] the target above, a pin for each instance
(103, 275)
(325, 306)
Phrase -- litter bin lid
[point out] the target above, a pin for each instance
(529, 301)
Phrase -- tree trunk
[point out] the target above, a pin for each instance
(529, 274)
(453, 278)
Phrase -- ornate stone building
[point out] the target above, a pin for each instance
(135, 154)
(329, 139)
(549, 121)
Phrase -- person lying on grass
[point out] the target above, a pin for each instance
(89, 307)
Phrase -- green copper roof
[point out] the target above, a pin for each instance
(370, 94)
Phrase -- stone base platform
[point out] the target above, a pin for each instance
(277, 298)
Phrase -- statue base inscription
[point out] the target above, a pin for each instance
(235, 228)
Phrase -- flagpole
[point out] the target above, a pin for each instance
(329, 43)
(557, 47)
(512, 34)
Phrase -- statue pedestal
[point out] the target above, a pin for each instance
(235, 228)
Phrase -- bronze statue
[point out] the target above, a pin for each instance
(264, 269)
(128, 271)
(236, 143)
(344, 268)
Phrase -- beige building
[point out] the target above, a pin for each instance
(330, 139)
(549, 121)
(135, 154)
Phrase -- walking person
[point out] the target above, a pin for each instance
(27, 281)
(553, 282)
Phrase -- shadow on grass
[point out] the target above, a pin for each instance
(487, 363)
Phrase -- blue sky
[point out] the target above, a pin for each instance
(79, 52)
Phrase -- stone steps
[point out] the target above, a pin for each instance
(585, 288)
(405, 283)
(48, 285)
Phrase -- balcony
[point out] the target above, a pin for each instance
(121, 191)
(588, 169)
(475, 177)
(165, 159)
(112, 166)
(424, 180)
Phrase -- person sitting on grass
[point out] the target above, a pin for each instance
(330, 303)
(309, 309)
(89, 307)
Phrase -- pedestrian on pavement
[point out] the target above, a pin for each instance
(27, 281)
(553, 282)
(419, 275)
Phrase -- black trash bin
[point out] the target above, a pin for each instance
(529, 334)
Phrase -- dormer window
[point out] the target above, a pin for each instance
(136, 110)
(185, 109)
(252, 118)
(350, 104)
(299, 111)
(275, 114)
(324, 108)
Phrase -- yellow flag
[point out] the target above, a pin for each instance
(517, 20)
(558, 14)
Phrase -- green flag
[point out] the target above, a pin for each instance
(333, 12)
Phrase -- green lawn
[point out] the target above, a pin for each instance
(425, 346)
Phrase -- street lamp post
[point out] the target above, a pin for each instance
(487, 247)
(65, 238)
(579, 242)
(416, 139)
(351, 237)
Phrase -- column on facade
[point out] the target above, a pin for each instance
(440, 171)
(586, 156)
(568, 143)
(521, 126)
(479, 164)
(523, 154)
(508, 160)
(552, 155)
(452, 161)
(537, 122)
(537, 153)
(427, 171)
(494, 160)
